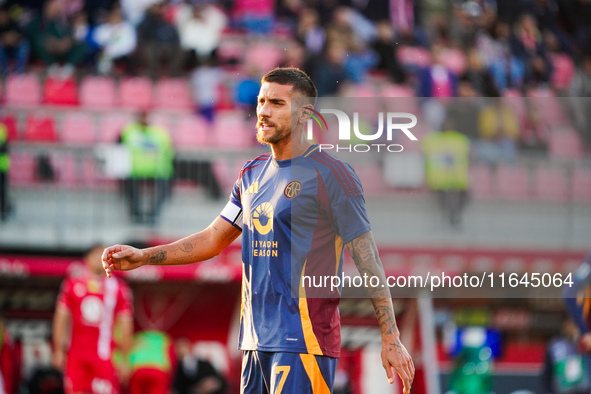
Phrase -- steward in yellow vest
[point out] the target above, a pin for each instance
(152, 168)
(4, 167)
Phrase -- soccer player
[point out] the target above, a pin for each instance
(578, 303)
(93, 306)
(290, 341)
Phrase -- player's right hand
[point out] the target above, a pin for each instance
(122, 258)
(58, 359)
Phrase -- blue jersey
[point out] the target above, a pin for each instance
(296, 216)
(578, 296)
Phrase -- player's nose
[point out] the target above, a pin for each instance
(264, 110)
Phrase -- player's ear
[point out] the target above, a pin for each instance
(305, 113)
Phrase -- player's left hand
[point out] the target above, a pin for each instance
(395, 357)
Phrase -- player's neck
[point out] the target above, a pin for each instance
(289, 148)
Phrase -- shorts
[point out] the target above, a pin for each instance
(89, 374)
(287, 373)
(149, 381)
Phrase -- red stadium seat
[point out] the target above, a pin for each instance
(550, 184)
(262, 57)
(78, 129)
(581, 184)
(192, 132)
(23, 90)
(40, 127)
(75, 172)
(231, 50)
(111, 126)
(60, 91)
(97, 92)
(232, 132)
(225, 101)
(11, 123)
(481, 181)
(136, 93)
(173, 94)
(512, 183)
(565, 144)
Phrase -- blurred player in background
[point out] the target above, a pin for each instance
(578, 302)
(92, 306)
(7, 364)
(290, 341)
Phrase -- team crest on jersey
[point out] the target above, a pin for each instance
(292, 189)
(262, 217)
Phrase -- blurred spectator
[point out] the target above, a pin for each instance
(536, 130)
(294, 55)
(70, 8)
(385, 46)
(563, 67)
(499, 131)
(566, 371)
(478, 76)
(13, 45)
(353, 30)
(436, 80)
(151, 167)
(97, 10)
(329, 73)
(158, 42)
(52, 37)
(4, 169)
(528, 45)
(581, 83)
(150, 363)
(135, 10)
(350, 27)
(578, 302)
(309, 31)
(463, 112)
(469, 17)
(580, 92)
(205, 85)
(494, 46)
(92, 305)
(200, 28)
(117, 39)
(446, 170)
(194, 375)
(8, 384)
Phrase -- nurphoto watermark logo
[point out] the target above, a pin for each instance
(349, 134)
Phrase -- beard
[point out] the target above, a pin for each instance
(279, 133)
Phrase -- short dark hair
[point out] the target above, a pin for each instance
(295, 77)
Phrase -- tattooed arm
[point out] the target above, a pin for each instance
(197, 247)
(394, 355)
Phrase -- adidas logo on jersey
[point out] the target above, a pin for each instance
(254, 188)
